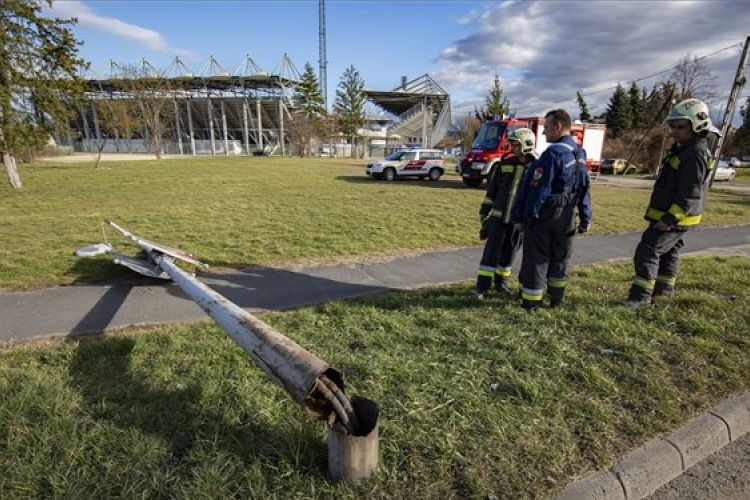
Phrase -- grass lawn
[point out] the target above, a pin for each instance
(236, 212)
(478, 399)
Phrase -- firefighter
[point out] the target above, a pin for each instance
(676, 203)
(503, 240)
(553, 188)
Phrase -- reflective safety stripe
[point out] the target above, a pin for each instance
(502, 271)
(496, 213)
(682, 219)
(557, 282)
(486, 271)
(644, 283)
(674, 162)
(507, 169)
(532, 294)
(668, 280)
(488, 201)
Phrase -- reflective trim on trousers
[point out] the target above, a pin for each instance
(502, 271)
(667, 280)
(557, 282)
(644, 283)
(532, 294)
(486, 271)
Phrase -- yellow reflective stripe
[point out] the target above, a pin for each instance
(512, 196)
(502, 271)
(486, 271)
(682, 218)
(669, 280)
(674, 162)
(644, 283)
(557, 282)
(496, 213)
(654, 214)
(532, 294)
(507, 169)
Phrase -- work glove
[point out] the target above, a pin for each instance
(483, 229)
(583, 229)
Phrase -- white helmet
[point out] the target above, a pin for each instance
(694, 110)
(526, 137)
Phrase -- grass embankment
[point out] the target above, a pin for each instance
(235, 212)
(478, 399)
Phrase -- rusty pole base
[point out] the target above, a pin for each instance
(354, 458)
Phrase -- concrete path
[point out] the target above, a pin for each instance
(81, 309)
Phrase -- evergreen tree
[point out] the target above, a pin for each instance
(619, 116)
(495, 103)
(636, 106)
(350, 103)
(38, 69)
(308, 96)
(585, 116)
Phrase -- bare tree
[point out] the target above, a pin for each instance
(692, 78)
(117, 119)
(467, 128)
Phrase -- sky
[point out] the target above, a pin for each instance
(543, 51)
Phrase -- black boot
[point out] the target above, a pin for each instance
(531, 304)
(662, 289)
(556, 296)
(483, 286)
(502, 286)
(638, 298)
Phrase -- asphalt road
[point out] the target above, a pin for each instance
(722, 476)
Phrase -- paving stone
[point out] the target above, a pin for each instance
(600, 486)
(699, 438)
(647, 468)
(736, 413)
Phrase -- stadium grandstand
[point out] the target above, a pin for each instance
(247, 111)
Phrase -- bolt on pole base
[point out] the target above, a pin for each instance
(353, 458)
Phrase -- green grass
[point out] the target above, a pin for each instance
(236, 212)
(477, 398)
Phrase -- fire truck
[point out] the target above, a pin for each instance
(490, 145)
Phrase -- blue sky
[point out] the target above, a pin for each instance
(543, 50)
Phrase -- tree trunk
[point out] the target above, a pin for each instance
(99, 153)
(10, 167)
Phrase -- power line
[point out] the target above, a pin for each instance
(599, 91)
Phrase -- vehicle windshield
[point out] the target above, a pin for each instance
(488, 136)
(401, 155)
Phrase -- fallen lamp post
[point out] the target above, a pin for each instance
(352, 424)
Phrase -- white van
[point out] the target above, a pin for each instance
(421, 163)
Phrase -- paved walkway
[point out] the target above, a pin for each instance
(81, 309)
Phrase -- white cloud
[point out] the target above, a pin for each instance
(546, 51)
(144, 37)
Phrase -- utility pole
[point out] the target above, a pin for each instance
(739, 82)
(322, 62)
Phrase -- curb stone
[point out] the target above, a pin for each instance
(646, 469)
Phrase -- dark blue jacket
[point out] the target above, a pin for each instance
(553, 176)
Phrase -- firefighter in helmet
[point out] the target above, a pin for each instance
(503, 240)
(676, 203)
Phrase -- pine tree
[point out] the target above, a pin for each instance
(585, 116)
(619, 116)
(38, 69)
(636, 106)
(350, 103)
(495, 104)
(308, 97)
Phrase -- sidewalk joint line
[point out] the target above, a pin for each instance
(729, 428)
(682, 458)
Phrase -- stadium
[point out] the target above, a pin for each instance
(244, 112)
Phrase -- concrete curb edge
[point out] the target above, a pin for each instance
(649, 467)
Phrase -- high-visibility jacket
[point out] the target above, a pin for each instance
(502, 186)
(679, 190)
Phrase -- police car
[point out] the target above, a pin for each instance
(421, 163)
